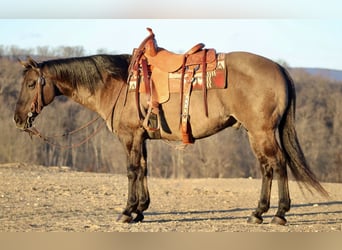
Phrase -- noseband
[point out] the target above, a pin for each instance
(38, 100)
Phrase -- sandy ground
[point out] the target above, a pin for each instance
(36, 198)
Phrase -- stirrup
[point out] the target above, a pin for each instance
(152, 124)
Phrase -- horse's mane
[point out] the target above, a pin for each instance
(88, 71)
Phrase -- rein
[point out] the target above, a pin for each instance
(38, 104)
(35, 132)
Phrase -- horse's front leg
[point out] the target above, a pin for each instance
(142, 188)
(138, 197)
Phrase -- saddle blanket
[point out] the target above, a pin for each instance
(216, 79)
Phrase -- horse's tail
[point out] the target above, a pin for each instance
(291, 147)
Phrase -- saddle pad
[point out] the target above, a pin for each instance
(216, 78)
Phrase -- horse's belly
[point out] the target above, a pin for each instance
(201, 125)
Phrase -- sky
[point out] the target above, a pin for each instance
(299, 36)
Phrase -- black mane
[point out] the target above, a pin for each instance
(88, 71)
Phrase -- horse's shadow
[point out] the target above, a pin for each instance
(199, 213)
(206, 214)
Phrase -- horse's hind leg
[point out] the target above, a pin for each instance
(283, 193)
(267, 177)
(271, 160)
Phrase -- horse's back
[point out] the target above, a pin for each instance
(251, 65)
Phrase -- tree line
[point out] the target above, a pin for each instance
(226, 154)
(14, 51)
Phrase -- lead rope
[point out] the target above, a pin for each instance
(35, 132)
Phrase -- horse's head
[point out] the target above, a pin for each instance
(36, 92)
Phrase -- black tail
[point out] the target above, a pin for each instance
(292, 150)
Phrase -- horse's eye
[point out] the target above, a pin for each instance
(31, 85)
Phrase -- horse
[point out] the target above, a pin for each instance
(260, 97)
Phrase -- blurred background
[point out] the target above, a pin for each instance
(309, 48)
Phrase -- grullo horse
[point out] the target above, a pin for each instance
(260, 96)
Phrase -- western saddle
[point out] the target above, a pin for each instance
(150, 70)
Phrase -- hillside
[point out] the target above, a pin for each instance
(333, 75)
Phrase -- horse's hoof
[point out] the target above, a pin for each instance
(124, 218)
(277, 220)
(253, 219)
(140, 217)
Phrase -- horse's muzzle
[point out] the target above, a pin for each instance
(26, 123)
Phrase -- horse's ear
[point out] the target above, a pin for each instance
(23, 63)
(30, 63)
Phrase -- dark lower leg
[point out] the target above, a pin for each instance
(134, 149)
(284, 197)
(142, 188)
(132, 199)
(264, 202)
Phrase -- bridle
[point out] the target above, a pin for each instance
(37, 103)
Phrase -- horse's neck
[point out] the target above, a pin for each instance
(80, 95)
(102, 101)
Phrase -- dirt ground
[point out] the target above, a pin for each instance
(36, 198)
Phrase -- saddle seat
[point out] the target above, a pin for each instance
(169, 61)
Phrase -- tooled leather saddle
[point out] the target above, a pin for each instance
(158, 72)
